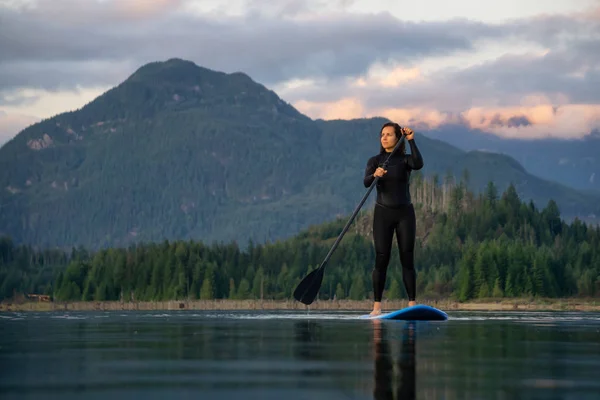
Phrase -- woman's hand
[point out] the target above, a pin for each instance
(408, 133)
(379, 172)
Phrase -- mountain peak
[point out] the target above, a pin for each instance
(179, 71)
(173, 70)
(177, 85)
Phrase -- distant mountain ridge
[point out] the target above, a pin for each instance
(179, 151)
(572, 162)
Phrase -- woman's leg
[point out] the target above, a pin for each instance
(405, 236)
(383, 234)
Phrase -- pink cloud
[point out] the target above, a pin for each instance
(416, 118)
(352, 107)
(388, 78)
(535, 122)
(532, 120)
(345, 108)
(399, 76)
(592, 14)
(423, 101)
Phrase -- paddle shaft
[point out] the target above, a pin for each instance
(358, 207)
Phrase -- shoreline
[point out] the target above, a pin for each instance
(526, 304)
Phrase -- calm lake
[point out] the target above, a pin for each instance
(305, 355)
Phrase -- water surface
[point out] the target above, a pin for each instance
(283, 355)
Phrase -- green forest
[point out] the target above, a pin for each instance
(489, 245)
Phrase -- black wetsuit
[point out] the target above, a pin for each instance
(394, 212)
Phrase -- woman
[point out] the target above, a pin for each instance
(393, 209)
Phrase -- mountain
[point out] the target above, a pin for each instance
(572, 162)
(178, 151)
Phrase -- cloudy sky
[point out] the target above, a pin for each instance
(517, 68)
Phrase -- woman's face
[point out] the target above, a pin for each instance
(388, 138)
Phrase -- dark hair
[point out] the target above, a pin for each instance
(398, 132)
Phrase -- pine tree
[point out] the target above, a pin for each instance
(232, 293)
(339, 292)
(243, 291)
(497, 292)
(357, 290)
(207, 289)
(465, 275)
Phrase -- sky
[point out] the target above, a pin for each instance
(514, 68)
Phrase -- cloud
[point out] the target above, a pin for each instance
(293, 9)
(519, 77)
(46, 104)
(527, 93)
(346, 108)
(143, 8)
(11, 124)
(268, 49)
(566, 122)
(57, 76)
(570, 68)
(573, 71)
(534, 122)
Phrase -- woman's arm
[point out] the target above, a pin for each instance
(369, 171)
(415, 159)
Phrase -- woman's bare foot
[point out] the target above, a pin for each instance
(376, 308)
(412, 303)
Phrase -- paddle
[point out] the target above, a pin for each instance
(308, 288)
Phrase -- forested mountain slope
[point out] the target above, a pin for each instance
(178, 151)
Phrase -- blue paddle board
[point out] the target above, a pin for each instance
(420, 312)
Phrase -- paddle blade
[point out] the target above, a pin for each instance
(307, 290)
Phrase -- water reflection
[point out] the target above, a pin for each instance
(307, 334)
(171, 355)
(391, 351)
(386, 376)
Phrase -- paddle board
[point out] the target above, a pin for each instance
(420, 312)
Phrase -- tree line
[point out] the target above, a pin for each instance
(469, 246)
